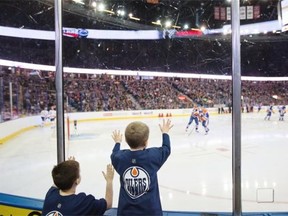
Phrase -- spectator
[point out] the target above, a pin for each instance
(62, 199)
(138, 167)
(88, 93)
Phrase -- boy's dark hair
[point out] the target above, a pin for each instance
(65, 174)
(136, 134)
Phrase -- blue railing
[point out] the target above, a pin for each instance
(34, 206)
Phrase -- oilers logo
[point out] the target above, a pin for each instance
(54, 213)
(136, 181)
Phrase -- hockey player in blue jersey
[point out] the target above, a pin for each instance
(194, 117)
(269, 113)
(282, 111)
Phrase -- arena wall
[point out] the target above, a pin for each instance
(11, 129)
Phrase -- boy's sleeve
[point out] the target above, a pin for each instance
(166, 145)
(159, 155)
(116, 148)
(114, 152)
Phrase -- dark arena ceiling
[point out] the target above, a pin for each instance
(262, 54)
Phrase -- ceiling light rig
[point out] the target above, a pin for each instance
(121, 10)
(177, 16)
(79, 2)
(101, 7)
(185, 26)
(132, 17)
(168, 24)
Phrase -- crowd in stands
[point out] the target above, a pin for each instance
(35, 90)
(181, 55)
(101, 93)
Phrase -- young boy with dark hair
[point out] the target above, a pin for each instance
(138, 167)
(62, 199)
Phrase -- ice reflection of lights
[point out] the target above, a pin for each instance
(226, 187)
(170, 195)
(247, 185)
(265, 184)
(187, 192)
(204, 189)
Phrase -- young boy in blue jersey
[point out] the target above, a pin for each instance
(138, 167)
(62, 199)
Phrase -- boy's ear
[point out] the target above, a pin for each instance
(77, 181)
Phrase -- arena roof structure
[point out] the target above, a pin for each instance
(195, 35)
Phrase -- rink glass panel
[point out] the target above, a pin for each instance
(198, 174)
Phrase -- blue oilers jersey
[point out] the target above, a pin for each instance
(139, 190)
